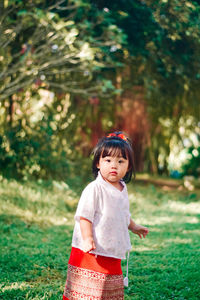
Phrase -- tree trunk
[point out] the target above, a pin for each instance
(1, 7)
(132, 119)
(10, 111)
(153, 163)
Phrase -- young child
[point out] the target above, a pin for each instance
(102, 220)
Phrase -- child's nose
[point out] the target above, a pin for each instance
(114, 165)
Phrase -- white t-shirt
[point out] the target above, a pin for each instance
(108, 209)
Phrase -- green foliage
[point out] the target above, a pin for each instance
(191, 166)
(36, 231)
(25, 156)
(75, 51)
(43, 44)
(50, 53)
(184, 148)
(162, 44)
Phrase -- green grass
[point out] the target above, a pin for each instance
(36, 229)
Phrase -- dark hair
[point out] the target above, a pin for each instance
(114, 145)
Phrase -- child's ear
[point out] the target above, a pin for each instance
(97, 165)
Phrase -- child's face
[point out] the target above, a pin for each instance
(113, 168)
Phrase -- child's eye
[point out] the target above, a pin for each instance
(121, 161)
(108, 160)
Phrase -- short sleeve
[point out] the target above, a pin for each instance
(128, 216)
(87, 203)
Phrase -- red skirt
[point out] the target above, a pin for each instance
(91, 277)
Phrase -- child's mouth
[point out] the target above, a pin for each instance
(113, 173)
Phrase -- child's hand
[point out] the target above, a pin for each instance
(88, 245)
(141, 231)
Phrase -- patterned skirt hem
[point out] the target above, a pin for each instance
(87, 284)
(90, 285)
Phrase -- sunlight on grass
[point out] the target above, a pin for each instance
(36, 231)
(38, 217)
(34, 203)
(192, 208)
(156, 220)
(180, 240)
(15, 285)
(141, 248)
(165, 208)
(197, 232)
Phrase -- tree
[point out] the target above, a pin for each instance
(37, 45)
(46, 48)
(64, 63)
(160, 56)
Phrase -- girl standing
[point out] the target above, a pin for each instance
(102, 220)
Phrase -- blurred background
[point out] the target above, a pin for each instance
(72, 71)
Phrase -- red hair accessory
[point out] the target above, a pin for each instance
(120, 135)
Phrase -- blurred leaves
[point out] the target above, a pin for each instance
(64, 66)
(40, 43)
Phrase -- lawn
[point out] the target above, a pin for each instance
(36, 229)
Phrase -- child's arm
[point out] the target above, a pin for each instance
(86, 232)
(138, 229)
